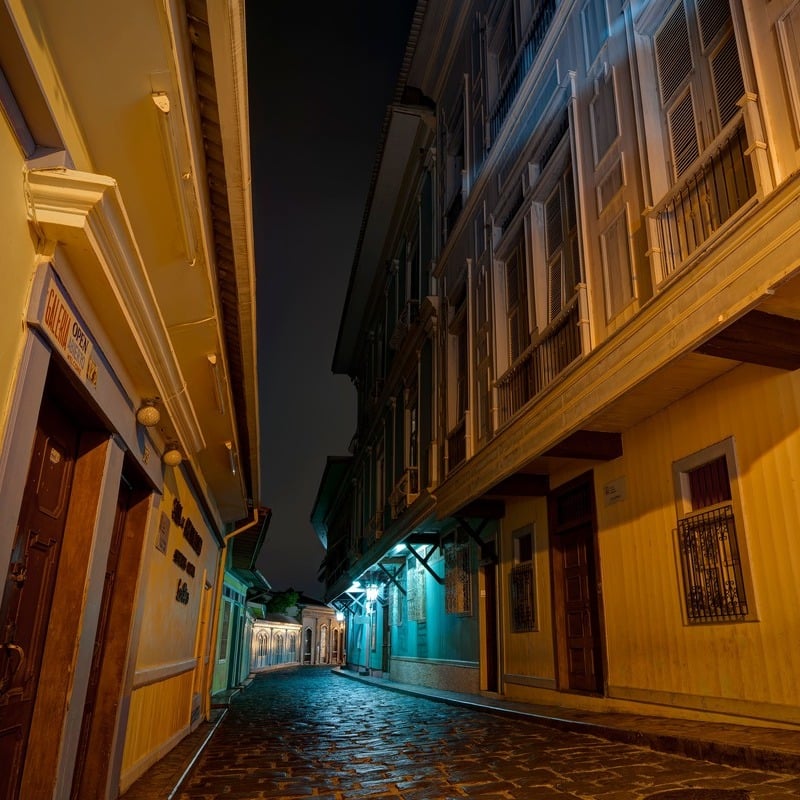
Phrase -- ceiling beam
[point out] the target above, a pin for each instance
(758, 338)
(592, 445)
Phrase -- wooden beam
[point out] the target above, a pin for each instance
(592, 445)
(521, 484)
(483, 509)
(758, 338)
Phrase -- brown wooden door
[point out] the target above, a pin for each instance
(575, 554)
(112, 564)
(30, 581)
(489, 572)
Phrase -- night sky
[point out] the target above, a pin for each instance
(320, 77)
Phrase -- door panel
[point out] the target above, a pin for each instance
(580, 608)
(30, 582)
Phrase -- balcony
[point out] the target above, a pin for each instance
(457, 445)
(542, 362)
(521, 66)
(716, 188)
(405, 492)
(375, 527)
(408, 316)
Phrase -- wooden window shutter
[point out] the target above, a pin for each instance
(683, 142)
(554, 232)
(726, 72)
(673, 53)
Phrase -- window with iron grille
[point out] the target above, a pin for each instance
(415, 588)
(457, 574)
(522, 582)
(712, 566)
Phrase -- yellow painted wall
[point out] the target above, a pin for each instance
(159, 713)
(169, 627)
(751, 667)
(527, 654)
(17, 264)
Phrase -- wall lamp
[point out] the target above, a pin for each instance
(148, 414)
(181, 176)
(232, 455)
(172, 456)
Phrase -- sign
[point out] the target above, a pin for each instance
(163, 533)
(614, 491)
(68, 335)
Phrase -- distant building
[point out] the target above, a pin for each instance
(323, 632)
(276, 641)
(573, 323)
(129, 426)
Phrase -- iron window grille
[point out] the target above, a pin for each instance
(457, 578)
(711, 567)
(523, 613)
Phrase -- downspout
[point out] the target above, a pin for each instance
(218, 604)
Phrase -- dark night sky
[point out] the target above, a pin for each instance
(320, 77)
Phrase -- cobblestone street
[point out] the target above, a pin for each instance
(309, 733)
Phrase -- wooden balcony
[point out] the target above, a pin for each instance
(405, 492)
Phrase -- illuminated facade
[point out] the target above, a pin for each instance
(572, 321)
(129, 439)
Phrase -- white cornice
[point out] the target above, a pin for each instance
(85, 212)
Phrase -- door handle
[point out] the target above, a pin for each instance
(6, 679)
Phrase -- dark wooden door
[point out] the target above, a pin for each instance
(579, 593)
(29, 585)
(112, 564)
(491, 656)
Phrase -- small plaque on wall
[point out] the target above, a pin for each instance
(614, 491)
(163, 533)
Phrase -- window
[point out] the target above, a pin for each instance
(457, 574)
(483, 365)
(415, 588)
(517, 300)
(561, 244)
(711, 558)
(224, 631)
(595, 28)
(522, 585)
(699, 77)
(604, 116)
(616, 265)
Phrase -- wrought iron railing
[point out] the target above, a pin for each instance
(707, 197)
(523, 613)
(711, 566)
(542, 362)
(521, 66)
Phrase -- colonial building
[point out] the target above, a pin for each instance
(323, 632)
(276, 641)
(573, 322)
(129, 435)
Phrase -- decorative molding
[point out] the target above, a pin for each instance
(86, 211)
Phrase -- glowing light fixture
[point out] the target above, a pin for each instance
(182, 176)
(340, 616)
(232, 455)
(372, 593)
(148, 414)
(172, 455)
(219, 396)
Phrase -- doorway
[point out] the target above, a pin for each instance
(30, 583)
(576, 587)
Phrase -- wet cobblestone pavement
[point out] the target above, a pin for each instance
(308, 733)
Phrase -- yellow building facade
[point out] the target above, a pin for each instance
(572, 320)
(129, 441)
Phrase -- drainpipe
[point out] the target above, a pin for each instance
(218, 604)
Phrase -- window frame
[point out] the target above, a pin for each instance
(522, 566)
(684, 510)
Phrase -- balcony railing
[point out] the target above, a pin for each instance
(405, 492)
(375, 526)
(521, 66)
(707, 197)
(457, 445)
(405, 321)
(542, 362)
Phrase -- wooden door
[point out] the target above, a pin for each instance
(489, 588)
(30, 582)
(576, 596)
(579, 591)
(112, 564)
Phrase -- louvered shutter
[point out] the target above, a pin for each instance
(554, 233)
(726, 73)
(673, 53)
(684, 146)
